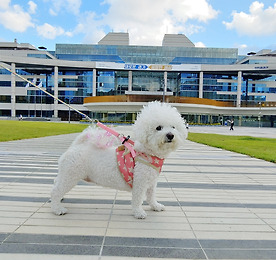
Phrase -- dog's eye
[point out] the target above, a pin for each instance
(158, 128)
(173, 127)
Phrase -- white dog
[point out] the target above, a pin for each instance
(159, 129)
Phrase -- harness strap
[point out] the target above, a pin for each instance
(128, 143)
(126, 158)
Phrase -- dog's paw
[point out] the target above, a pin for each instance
(60, 211)
(140, 214)
(158, 207)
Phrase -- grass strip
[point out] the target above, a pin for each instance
(17, 130)
(262, 148)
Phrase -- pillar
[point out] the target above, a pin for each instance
(56, 91)
(13, 87)
(94, 83)
(130, 80)
(239, 89)
(200, 87)
(165, 82)
(165, 85)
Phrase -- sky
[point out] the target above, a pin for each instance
(244, 24)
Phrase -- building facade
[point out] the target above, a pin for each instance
(111, 80)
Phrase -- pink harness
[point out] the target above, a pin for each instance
(127, 156)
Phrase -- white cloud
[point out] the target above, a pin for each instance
(258, 22)
(147, 23)
(15, 19)
(51, 32)
(199, 10)
(53, 12)
(71, 6)
(242, 46)
(200, 44)
(91, 26)
(4, 4)
(32, 7)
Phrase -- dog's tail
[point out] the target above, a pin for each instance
(85, 135)
(96, 136)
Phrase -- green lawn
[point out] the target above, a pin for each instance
(16, 130)
(262, 148)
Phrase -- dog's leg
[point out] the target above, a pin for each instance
(151, 200)
(61, 187)
(138, 195)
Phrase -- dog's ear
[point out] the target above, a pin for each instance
(184, 133)
(140, 131)
(181, 128)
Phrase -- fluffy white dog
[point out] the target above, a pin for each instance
(92, 157)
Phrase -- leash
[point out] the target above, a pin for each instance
(46, 92)
(126, 141)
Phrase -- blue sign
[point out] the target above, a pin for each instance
(136, 66)
(261, 67)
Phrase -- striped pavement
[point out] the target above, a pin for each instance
(219, 205)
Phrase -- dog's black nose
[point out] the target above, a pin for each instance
(170, 136)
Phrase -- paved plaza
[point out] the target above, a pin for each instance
(219, 205)
(238, 131)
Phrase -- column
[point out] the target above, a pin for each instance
(94, 83)
(239, 89)
(13, 87)
(130, 80)
(165, 85)
(200, 87)
(165, 82)
(56, 91)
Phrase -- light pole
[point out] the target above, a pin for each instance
(69, 112)
(260, 113)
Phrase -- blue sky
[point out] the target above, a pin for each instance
(244, 24)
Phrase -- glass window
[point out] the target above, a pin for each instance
(5, 99)
(147, 81)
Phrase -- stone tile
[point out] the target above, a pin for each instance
(241, 254)
(65, 223)
(176, 253)
(131, 258)
(152, 242)
(25, 256)
(8, 228)
(216, 235)
(150, 233)
(3, 236)
(23, 248)
(149, 226)
(95, 231)
(238, 244)
(71, 216)
(12, 221)
(232, 228)
(225, 220)
(54, 239)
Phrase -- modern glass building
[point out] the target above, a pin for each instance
(111, 80)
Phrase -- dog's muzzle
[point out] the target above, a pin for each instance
(169, 137)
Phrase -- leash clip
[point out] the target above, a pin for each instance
(126, 139)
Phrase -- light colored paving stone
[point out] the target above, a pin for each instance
(212, 196)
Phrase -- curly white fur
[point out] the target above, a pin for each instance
(159, 129)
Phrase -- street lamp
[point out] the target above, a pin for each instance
(259, 117)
